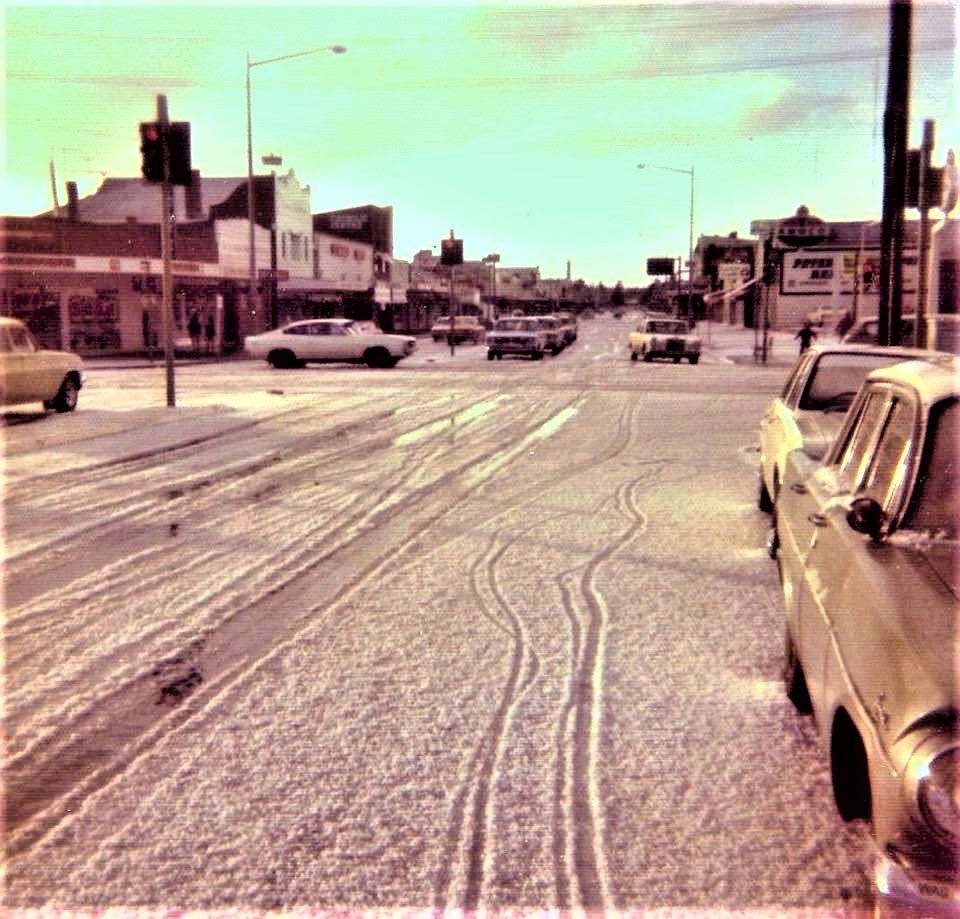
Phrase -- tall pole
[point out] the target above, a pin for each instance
(895, 118)
(689, 172)
(166, 218)
(923, 324)
(251, 207)
(690, 262)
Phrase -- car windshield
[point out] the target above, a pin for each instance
(662, 327)
(936, 500)
(837, 377)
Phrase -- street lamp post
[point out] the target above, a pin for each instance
(688, 172)
(251, 207)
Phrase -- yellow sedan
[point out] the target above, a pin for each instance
(29, 373)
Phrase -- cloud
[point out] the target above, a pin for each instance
(796, 109)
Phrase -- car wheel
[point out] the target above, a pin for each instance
(67, 395)
(491, 355)
(282, 360)
(676, 360)
(378, 357)
(694, 358)
(634, 355)
(536, 355)
(794, 680)
(849, 770)
(647, 357)
(764, 502)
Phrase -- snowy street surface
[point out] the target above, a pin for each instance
(457, 635)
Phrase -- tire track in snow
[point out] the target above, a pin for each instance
(580, 864)
(32, 810)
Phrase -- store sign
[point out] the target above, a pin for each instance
(732, 275)
(802, 229)
(826, 272)
(808, 273)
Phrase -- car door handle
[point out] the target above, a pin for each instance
(818, 520)
(798, 488)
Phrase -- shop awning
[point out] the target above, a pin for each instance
(719, 295)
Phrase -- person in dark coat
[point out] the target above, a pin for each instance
(211, 331)
(806, 336)
(193, 327)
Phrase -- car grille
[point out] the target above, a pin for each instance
(675, 345)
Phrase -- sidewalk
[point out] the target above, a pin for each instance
(744, 346)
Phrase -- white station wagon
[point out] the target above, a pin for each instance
(328, 340)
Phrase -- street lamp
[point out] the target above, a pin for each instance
(251, 209)
(688, 172)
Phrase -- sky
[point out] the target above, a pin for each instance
(517, 126)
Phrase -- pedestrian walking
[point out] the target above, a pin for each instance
(211, 331)
(806, 336)
(193, 327)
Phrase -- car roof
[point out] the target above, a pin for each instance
(934, 377)
(904, 351)
(331, 320)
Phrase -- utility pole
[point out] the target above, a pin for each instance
(895, 118)
(923, 324)
(166, 218)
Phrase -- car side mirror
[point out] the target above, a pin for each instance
(868, 517)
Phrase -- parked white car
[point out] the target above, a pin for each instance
(328, 340)
(810, 410)
(516, 335)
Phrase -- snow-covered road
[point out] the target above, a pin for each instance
(410, 639)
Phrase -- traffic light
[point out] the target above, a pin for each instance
(933, 184)
(451, 251)
(178, 143)
(151, 148)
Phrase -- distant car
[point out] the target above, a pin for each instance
(869, 567)
(328, 340)
(867, 331)
(516, 335)
(568, 325)
(465, 328)
(809, 411)
(670, 338)
(554, 337)
(29, 373)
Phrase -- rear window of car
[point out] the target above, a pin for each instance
(936, 499)
(837, 377)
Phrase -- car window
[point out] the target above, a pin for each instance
(296, 330)
(5, 346)
(884, 477)
(936, 499)
(861, 435)
(20, 339)
(794, 385)
(837, 377)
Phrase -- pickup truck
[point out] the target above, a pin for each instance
(670, 338)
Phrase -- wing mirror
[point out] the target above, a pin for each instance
(868, 517)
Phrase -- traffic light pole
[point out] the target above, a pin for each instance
(166, 216)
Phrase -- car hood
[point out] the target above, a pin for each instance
(818, 430)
